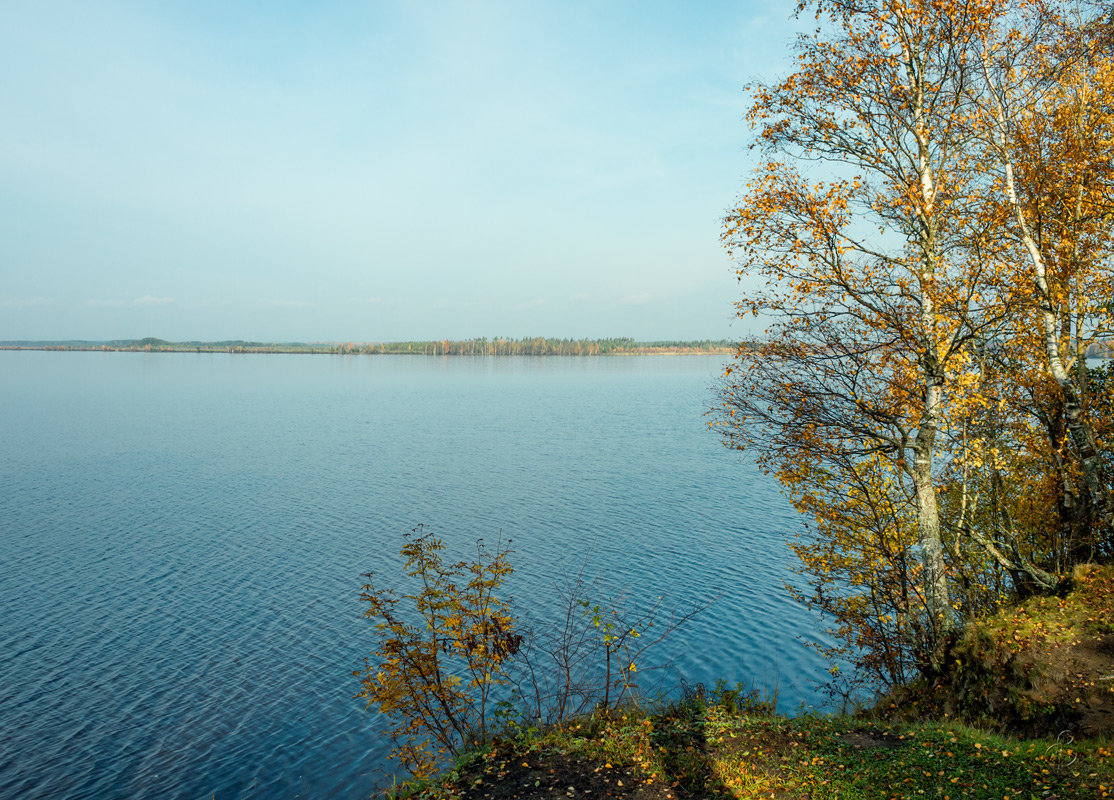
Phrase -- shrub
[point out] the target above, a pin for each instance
(434, 678)
(442, 666)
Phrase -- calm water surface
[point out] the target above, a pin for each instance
(182, 539)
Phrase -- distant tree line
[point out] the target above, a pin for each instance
(541, 346)
(495, 346)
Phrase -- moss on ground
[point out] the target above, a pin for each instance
(1042, 668)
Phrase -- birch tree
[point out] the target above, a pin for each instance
(933, 222)
(859, 221)
(1044, 113)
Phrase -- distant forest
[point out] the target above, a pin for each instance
(496, 346)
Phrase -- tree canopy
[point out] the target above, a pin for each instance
(932, 221)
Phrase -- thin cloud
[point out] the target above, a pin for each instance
(96, 303)
(275, 303)
(26, 302)
(148, 300)
(635, 299)
(455, 304)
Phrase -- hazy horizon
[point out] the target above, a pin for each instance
(383, 172)
(342, 340)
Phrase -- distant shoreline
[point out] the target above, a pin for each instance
(534, 346)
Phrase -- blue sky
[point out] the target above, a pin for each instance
(370, 171)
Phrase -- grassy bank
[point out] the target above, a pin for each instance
(1043, 669)
(703, 749)
(1040, 667)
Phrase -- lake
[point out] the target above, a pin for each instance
(182, 539)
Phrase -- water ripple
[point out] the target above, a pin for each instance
(183, 540)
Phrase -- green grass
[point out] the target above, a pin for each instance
(839, 757)
(702, 750)
(1046, 655)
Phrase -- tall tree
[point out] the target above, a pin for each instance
(1044, 112)
(933, 222)
(871, 294)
